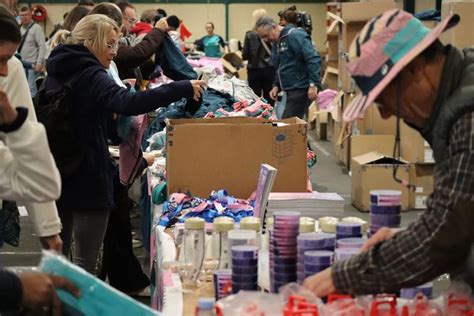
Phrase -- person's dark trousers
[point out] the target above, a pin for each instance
(261, 80)
(119, 263)
(297, 103)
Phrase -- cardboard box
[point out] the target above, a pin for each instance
(330, 78)
(414, 148)
(226, 153)
(364, 11)
(461, 35)
(330, 128)
(421, 176)
(349, 32)
(362, 144)
(373, 171)
(322, 119)
(372, 123)
(242, 74)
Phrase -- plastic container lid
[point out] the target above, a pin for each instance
(270, 222)
(194, 223)
(365, 225)
(206, 303)
(328, 224)
(242, 234)
(250, 223)
(306, 225)
(223, 224)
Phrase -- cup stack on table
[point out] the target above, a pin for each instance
(283, 248)
(244, 268)
(316, 261)
(312, 241)
(222, 283)
(385, 207)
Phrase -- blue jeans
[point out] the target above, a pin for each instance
(32, 75)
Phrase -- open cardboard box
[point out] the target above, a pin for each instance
(421, 176)
(373, 171)
(226, 153)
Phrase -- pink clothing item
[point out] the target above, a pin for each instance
(130, 151)
(325, 99)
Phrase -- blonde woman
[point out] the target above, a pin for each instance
(260, 70)
(87, 194)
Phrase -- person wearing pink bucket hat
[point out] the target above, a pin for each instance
(401, 65)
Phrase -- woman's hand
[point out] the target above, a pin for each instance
(198, 87)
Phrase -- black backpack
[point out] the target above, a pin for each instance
(54, 110)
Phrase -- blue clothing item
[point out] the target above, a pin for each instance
(173, 62)
(297, 62)
(94, 96)
(212, 45)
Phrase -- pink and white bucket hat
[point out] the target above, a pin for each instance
(385, 45)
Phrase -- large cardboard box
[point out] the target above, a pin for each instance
(414, 148)
(226, 153)
(362, 144)
(372, 122)
(461, 35)
(373, 171)
(421, 176)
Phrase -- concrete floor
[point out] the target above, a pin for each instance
(327, 176)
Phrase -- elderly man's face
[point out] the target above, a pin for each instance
(414, 90)
(269, 34)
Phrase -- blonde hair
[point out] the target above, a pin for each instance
(92, 31)
(257, 14)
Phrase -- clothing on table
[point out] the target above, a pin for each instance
(297, 103)
(44, 215)
(440, 240)
(260, 80)
(296, 61)
(211, 45)
(33, 51)
(119, 264)
(94, 96)
(88, 230)
(11, 291)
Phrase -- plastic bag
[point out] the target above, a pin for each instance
(251, 304)
(97, 297)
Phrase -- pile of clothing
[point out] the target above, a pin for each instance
(181, 206)
(258, 109)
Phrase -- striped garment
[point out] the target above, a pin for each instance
(407, 259)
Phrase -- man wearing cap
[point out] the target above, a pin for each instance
(401, 65)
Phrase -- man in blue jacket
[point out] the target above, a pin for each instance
(297, 65)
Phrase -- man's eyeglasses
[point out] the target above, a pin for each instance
(131, 21)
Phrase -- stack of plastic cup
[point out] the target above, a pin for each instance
(312, 241)
(283, 249)
(348, 230)
(316, 261)
(238, 237)
(222, 283)
(345, 253)
(244, 268)
(385, 207)
(410, 293)
(355, 243)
